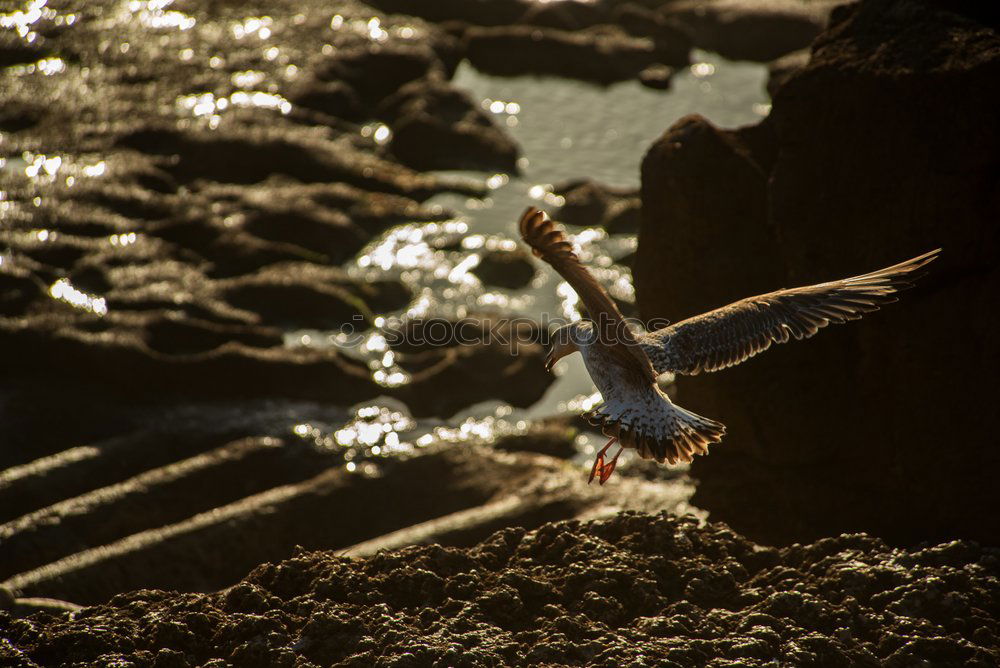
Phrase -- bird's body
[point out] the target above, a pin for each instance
(637, 413)
(624, 364)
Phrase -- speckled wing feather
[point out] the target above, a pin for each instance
(550, 244)
(734, 333)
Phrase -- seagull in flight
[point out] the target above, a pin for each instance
(624, 364)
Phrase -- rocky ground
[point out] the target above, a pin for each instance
(635, 590)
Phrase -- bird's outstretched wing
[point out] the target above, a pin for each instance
(734, 333)
(550, 244)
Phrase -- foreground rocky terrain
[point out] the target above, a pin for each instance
(635, 590)
(882, 425)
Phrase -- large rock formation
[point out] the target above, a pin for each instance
(883, 146)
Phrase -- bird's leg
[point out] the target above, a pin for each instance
(599, 462)
(609, 468)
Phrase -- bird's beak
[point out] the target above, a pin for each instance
(550, 361)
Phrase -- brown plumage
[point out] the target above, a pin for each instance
(550, 244)
(732, 334)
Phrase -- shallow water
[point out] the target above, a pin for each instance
(567, 129)
(572, 129)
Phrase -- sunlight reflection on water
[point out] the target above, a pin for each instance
(383, 429)
(567, 129)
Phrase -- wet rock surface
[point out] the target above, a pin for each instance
(163, 242)
(586, 202)
(580, 38)
(165, 229)
(751, 30)
(436, 126)
(507, 269)
(632, 590)
(866, 426)
(602, 53)
(184, 189)
(193, 509)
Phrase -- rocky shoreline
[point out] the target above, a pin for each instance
(183, 184)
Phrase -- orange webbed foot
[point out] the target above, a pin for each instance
(599, 465)
(609, 468)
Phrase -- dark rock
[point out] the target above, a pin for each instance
(23, 607)
(384, 296)
(292, 215)
(334, 98)
(592, 204)
(836, 433)
(623, 218)
(17, 117)
(631, 590)
(484, 356)
(478, 12)
(554, 438)
(173, 335)
(656, 76)
(603, 54)
(19, 288)
(127, 200)
(250, 159)
(435, 126)
(157, 496)
(506, 269)
(119, 363)
(426, 334)
(781, 70)
(671, 38)
(231, 251)
(15, 50)
(285, 299)
(374, 74)
(742, 30)
(565, 15)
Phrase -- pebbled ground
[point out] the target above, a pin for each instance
(634, 590)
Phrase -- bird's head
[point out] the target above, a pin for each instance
(566, 340)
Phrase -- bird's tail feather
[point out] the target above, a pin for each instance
(664, 431)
